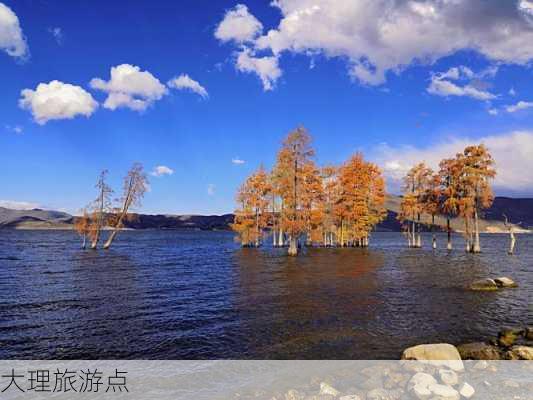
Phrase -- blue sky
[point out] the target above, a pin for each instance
(402, 92)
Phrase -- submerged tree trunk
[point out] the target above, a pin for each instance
(419, 235)
(449, 228)
(293, 246)
(512, 242)
(433, 239)
(84, 243)
(477, 247)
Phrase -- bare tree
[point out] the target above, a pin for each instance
(101, 206)
(135, 186)
(510, 227)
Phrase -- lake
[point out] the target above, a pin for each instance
(198, 295)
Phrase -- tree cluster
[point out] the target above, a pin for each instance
(461, 188)
(104, 213)
(300, 203)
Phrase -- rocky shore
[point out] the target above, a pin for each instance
(427, 372)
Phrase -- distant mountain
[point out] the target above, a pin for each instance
(517, 210)
(36, 219)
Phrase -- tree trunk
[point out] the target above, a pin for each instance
(449, 228)
(84, 243)
(513, 241)
(293, 246)
(94, 242)
(281, 239)
(433, 239)
(476, 248)
(110, 239)
(418, 237)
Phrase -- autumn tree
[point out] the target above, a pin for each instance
(83, 227)
(293, 163)
(449, 174)
(101, 207)
(360, 204)
(330, 195)
(476, 172)
(431, 202)
(253, 217)
(416, 182)
(134, 187)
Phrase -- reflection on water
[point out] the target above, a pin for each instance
(197, 295)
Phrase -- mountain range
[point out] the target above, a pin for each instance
(518, 210)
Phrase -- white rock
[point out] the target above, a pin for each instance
(328, 389)
(350, 397)
(466, 391)
(448, 377)
(439, 354)
(505, 282)
(421, 392)
(422, 380)
(443, 392)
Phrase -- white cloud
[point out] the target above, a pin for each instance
(513, 153)
(18, 129)
(237, 161)
(441, 84)
(130, 87)
(57, 33)
(211, 189)
(19, 205)
(493, 111)
(266, 68)
(12, 40)
(184, 81)
(238, 25)
(57, 100)
(381, 36)
(512, 92)
(162, 170)
(521, 105)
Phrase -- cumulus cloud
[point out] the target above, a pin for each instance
(130, 87)
(266, 68)
(381, 36)
(238, 25)
(513, 153)
(12, 40)
(521, 105)
(493, 111)
(57, 100)
(185, 82)
(162, 170)
(441, 84)
(19, 205)
(57, 33)
(211, 189)
(237, 161)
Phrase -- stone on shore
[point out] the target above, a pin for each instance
(439, 354)
(479, 351)
(421, 392)
(484, 285)
(521, 353)
(443, 392)
(505, 282)
(328, 389)
(466, 391)
(379, 394)
(350, 397)
(421, 379)
(294, 395)
(448, 377)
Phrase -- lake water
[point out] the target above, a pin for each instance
(197, 295)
